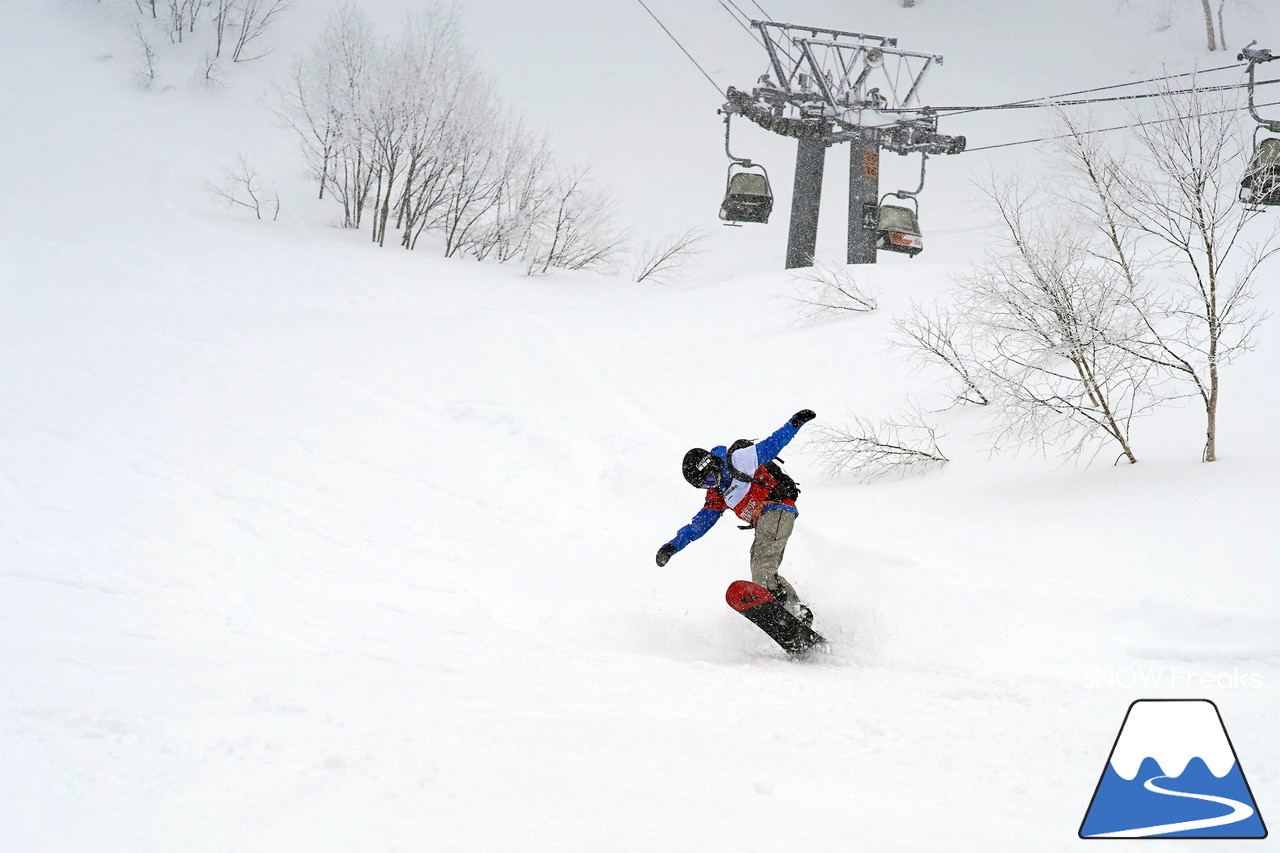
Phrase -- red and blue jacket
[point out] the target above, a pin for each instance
(747, 499)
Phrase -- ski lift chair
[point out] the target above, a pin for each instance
(898, 230)
(1261, 184)
(747, 197)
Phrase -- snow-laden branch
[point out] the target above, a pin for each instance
(871, 450)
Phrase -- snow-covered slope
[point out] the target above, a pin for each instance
(311, 546)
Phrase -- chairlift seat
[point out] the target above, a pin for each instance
(1261, 184)
(898, 230)
(748, 198)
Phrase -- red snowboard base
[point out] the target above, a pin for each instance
(758, 604)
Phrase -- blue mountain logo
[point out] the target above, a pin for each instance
(1173, 773)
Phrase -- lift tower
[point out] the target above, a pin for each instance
(825, 87)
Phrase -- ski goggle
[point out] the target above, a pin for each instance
(710, 480)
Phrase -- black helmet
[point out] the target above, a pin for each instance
(702, 468)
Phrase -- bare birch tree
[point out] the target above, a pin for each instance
(473, 189)
(209, 72)
(436, 71)
(1050, 334)
(524, 195)
(242, 185)
(147, 74)
(176, 25)
(254, 19)
(433, 144)
(580, 232)
(221, 11)
(389, 119)
(1172, 225)
(349, 53)
(307, 103)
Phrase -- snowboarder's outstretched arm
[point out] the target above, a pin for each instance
(702, 522)
(770, 447)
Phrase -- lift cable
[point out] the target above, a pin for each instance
(1107, 129)
(1036, 102)
(784, 49)
(713, 83)
(737, 20)
(738, 9)
(1226, 87)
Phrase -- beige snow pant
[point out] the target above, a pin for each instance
(772, 532)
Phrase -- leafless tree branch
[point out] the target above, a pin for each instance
(936, 337)
(827, 289)
(663, 259)
(870, 450)
(242, 186)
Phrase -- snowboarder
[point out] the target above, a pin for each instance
(744, 477)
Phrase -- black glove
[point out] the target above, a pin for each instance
(802, 417)
(665, 552)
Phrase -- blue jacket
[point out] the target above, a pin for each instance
(733, 494)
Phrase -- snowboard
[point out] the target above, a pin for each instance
(758, 604)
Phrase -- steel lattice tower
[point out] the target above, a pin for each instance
(825, 87)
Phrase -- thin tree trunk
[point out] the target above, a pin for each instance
(1222, 31)
(384, 214)
(1208, 24)
(1211, 410)
(1099, 399)
(377, 199)
(402, 209)
(324, 175)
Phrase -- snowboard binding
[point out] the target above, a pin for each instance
(791, 604)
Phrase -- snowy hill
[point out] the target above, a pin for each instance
(312, 546)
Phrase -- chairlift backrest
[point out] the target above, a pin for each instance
(893, 217)
(749, 183)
